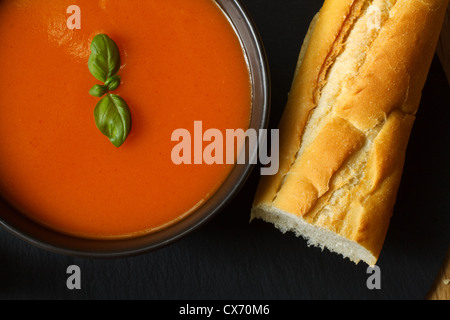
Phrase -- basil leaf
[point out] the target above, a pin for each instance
(98, 90)
(113, 118)
(104, 61)
(113, 83)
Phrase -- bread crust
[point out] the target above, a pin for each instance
(350, 112)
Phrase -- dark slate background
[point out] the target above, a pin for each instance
(231, 259)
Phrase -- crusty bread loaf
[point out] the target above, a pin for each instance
(346, 127)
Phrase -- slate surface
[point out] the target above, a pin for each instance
(231, 259)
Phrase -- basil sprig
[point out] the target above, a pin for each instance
(112, 114)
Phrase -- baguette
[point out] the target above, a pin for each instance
(347, 123)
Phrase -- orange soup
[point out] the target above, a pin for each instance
(181, 62)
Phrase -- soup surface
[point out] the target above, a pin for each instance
(181, 62)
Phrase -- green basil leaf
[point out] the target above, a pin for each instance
(98, 90)
(113, 83)
(104, 61)
(113, 118)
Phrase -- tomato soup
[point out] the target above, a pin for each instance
(181, 62)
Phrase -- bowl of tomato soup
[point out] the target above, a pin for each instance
(190, 71)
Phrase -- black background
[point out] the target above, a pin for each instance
(233, 260)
